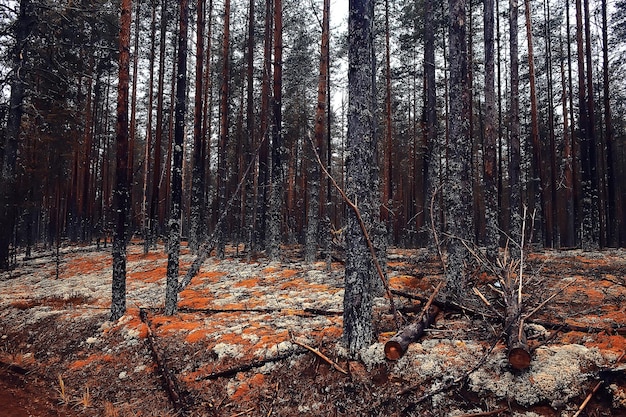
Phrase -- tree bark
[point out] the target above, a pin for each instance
(458, 190)
(397, 346)
(515, 205)
(314, 184)
(122, 182)
(492, 232)
(174, 235)
(357, 320)
(197, 230)
(274, 222)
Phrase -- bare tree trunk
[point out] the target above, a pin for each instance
(122, 183)
(515, 205)
(222, 170)
(197, 232)
(492, 232)
(314, 184)
(458, 189)
(359, 275)
(174, 235)
(276, 193)
(387, 198)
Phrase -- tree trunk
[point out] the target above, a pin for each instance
(314, 184)
(197, 230)
(173, 250)
(515, 205)
(122, 183)
(492, 232)
(387, 198)
(357, 320)
(458, 189)
(222, 170)
(274, 222)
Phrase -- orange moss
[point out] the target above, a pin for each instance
(616, 343)
(195, 302)
(246, 391)
(404, 281)
(151, 256)
(247, 283)
(153, 275)
(87, 265)
(270, 270)
(210, 276)
(94, 358)
(180, 325)
(197, 335)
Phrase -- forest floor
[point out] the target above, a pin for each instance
(231, 350)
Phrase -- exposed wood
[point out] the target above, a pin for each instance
(170, 383)
(396, 347)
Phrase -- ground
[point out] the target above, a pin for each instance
(235, 348)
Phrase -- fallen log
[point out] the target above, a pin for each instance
(398, 344)
(170, 383)
(518, 351)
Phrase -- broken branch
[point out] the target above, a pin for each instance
(320, 355)
(398, 344)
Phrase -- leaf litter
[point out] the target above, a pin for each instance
(237, 313)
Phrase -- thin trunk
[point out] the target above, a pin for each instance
(424, 185)
(387, 199)
(276, 192)
(149, 137)
(515, 219)
(173, 250)
(197, 230)
(490, 158)
(222, 170)
(538, 164)
(314, 184)
(251, 190)
(567, 218)
(122, 185)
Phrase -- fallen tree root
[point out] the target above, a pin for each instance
(170, 383)
(248, 366)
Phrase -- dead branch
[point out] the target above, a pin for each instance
(226, 373)
(170, 383)
(591, 394)
(320, 355)
(368, 240)
(486, 413)
(397, 346)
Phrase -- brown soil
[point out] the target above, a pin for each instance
(230, 350)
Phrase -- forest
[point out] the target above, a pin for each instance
(345, 165)
(544, 121)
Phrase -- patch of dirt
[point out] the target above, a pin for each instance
(230, 350)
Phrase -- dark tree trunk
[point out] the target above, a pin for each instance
(359, 270)
(173, 244)
(274, 222)
(251, 190)
(458, 189)
(515, 205)
(424, 186)
(122, 182)
(197, 230)
(222, 170)
(387, 198)
(314, 183)
(8, 175)
(490, 157)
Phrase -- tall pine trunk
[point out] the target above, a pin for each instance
(458, 189)
(173, 247)
(314, 184)
(274, 222)
(515, 184)
(490, 157)
(359, 270)
(122, 182)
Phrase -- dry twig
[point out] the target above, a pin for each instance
(320, 355)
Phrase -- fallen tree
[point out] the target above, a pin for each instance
(397, 346)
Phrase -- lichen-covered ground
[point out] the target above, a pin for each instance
(231, 349)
